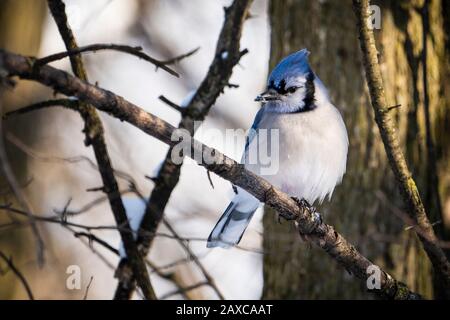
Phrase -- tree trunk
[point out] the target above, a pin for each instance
(366, 207)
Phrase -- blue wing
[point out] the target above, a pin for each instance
(253, 131)
(255, 125)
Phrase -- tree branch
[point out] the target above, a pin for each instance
(209, 280)
(177, 59)
(135, 51)
(19, 274)
(94, 135)
(322, 235)
(214, 83)
(386, 125)
(66, 103)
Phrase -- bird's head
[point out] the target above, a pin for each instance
(291, 86)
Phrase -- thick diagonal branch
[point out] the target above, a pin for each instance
(323, 235)
(397, 160)
(93, 130)
(227, 55)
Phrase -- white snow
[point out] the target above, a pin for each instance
(135, 209)
(224, 55)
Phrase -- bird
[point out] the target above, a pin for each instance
(307, 139)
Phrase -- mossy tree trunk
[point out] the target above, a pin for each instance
(366, 206)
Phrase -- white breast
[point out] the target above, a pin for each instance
(312, 151)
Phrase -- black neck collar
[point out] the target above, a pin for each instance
(310, 91)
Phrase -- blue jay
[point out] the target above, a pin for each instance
(312, 141)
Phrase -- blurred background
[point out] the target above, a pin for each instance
(271, 262)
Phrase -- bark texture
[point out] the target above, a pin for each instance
(367, 207)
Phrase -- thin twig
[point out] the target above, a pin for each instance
(60, 220)
(66, 103)
(72, 160)
(135, 51)
(87, 288)
(208, 173)
(195, 259)
(85, 208)
(171, 103)
(92, 238)
(177, 59)
(411, 224)
(19, 274)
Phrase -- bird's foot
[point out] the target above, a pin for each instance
(304, 204)
(316, 218)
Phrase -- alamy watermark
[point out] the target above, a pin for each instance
(73, 281)
(261, 154)
(374, 18)
(373, 281)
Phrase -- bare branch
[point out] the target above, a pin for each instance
(87, 288)
(66, 103)
(85, 208)
(94, 135)
(89, 244)
(411, 223)
(62, 221)
(92, 238)
(227, 55)
(135, 51)
(171, 103)
(209, 280)
(75, 159)
(19, 274)
(177, 59)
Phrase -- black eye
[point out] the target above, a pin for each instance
(291, 89)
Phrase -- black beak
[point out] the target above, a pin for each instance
(268, 95)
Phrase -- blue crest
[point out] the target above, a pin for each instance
(293, 65)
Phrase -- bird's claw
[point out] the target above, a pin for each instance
(304, 204)
(316, 217)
